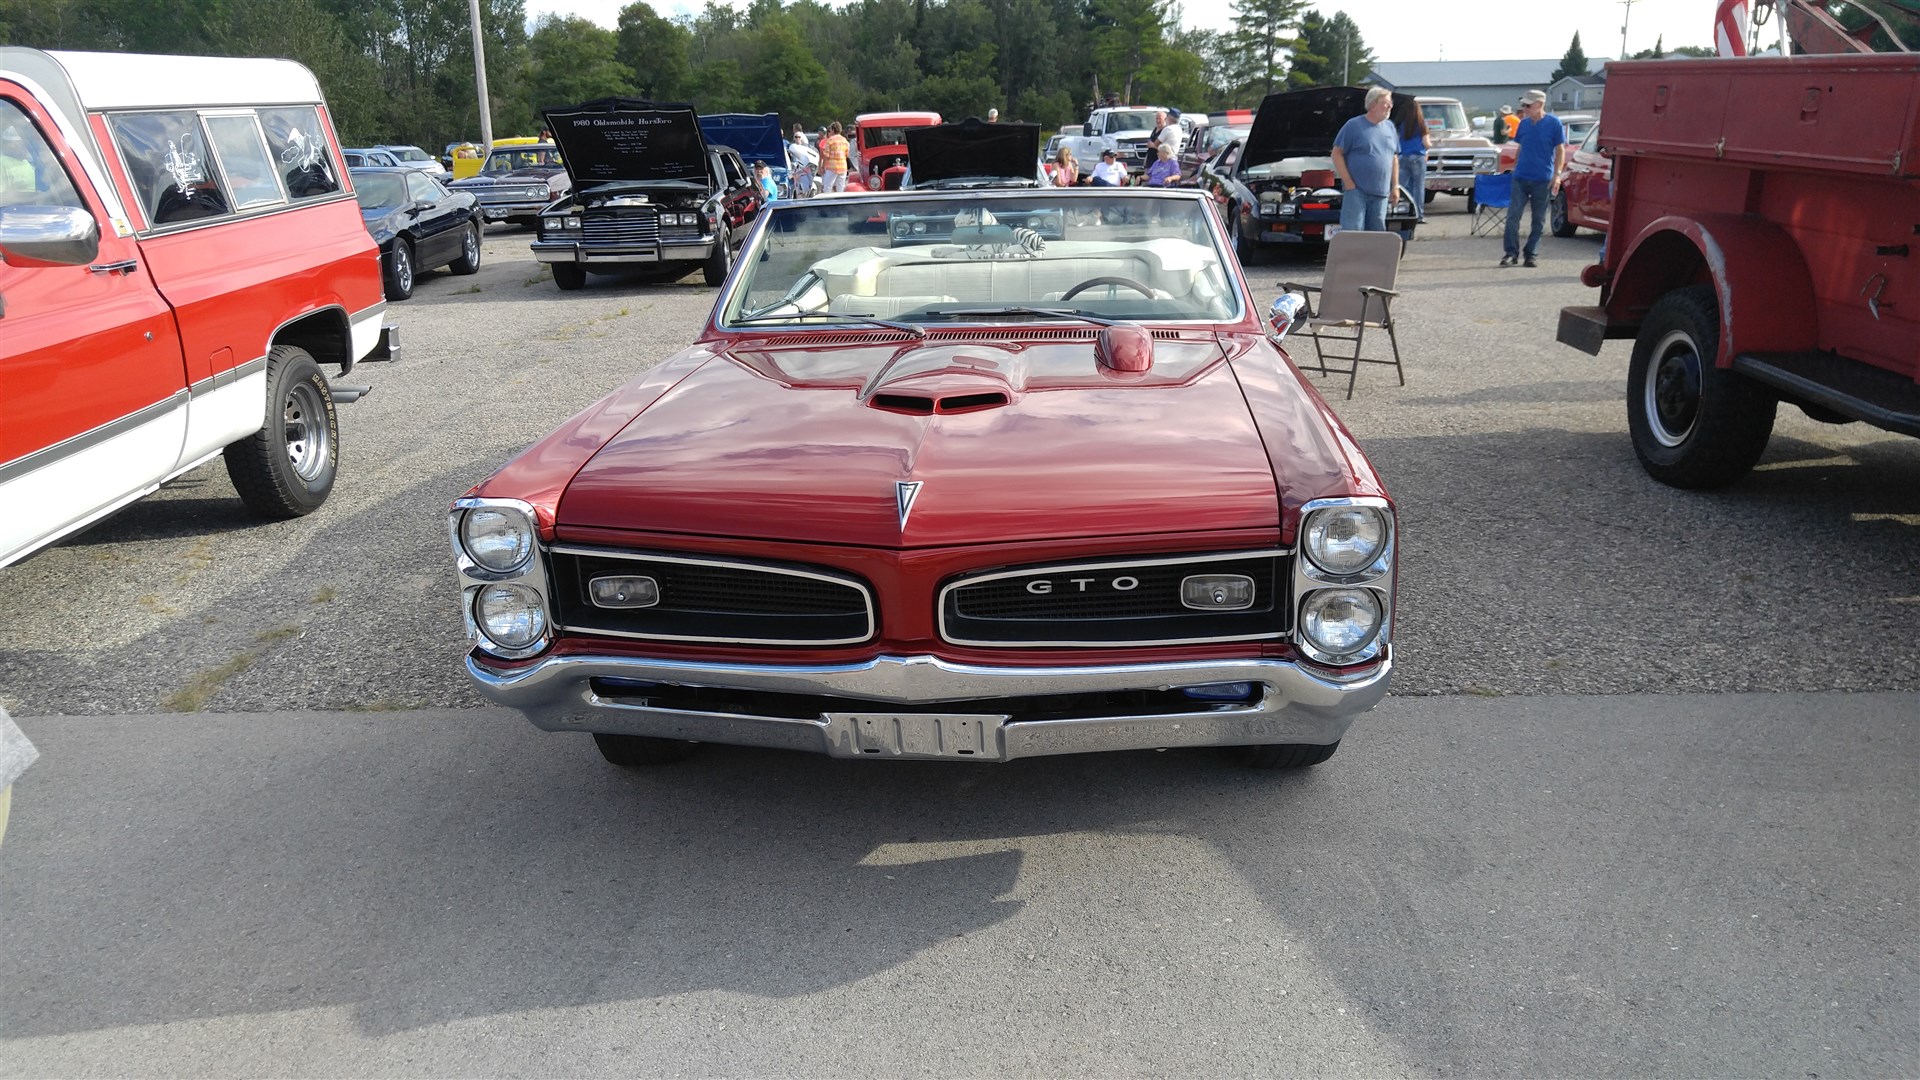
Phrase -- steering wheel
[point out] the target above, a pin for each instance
(1125, 282)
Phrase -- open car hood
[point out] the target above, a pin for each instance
(615, 140)
(755, 135)
(973, 149)
(1303, 123)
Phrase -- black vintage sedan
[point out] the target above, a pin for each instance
(419, 223)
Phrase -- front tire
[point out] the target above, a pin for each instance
(287, 468)
(400, 270)
(1557, 212)
(1694, 425)
(569, 276)
(640, 751)
(1283, 755)
(715, 269)
(469, 260)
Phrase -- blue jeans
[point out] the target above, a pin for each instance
(1533, 194)
(1364, 212)
(1413, 177)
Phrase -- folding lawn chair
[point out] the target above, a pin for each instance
(1355, 295)
(1492, 194)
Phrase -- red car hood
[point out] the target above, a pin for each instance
(1006, 441)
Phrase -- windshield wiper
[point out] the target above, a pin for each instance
(1036, 312)
(837, 316)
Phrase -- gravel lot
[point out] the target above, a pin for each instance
(1537, 557)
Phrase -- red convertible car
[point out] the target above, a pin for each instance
(1017, 472)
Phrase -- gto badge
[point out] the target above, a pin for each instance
(904, 492)
(1041, 586)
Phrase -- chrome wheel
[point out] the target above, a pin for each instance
(402, 268)
(308, 433)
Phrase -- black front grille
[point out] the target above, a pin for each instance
(1111, 603)
(717, 600)
(627, 225)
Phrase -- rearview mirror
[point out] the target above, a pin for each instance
(48, 235)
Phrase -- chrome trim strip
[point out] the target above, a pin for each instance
(365, 313)
(940, 601)
(45, 456)
(228, 377)
(1296, 706)
(848, 581)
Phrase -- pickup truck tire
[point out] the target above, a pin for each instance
(714, 270)
(1283, 755)
(1557, 212)
(1693, 425)
(286, 469)
(400, 270)
(1428, 200)
(639, 751)
(569, 276)
(469, 260)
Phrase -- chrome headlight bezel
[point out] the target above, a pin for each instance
(1376, 578)
(533, 606)
(1360, 649)
(520, 523)
(528, 572)
(1328, 566)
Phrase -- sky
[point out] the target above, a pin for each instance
(1403, 29)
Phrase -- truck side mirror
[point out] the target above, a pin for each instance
(48, 236)
(1085, 130)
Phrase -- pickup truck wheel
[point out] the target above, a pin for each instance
(717, 264)
(1283, 755)
(569, 276)
(1428, 201)
(1557, 210)
(469, 260)
(636, 751)
(286, 469)
(1694, 425)
(1473, 203)
(400, 271)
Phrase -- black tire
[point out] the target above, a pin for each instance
(569, 276)
(1473, 203)
(1428, 200)
(400, 273)
(1694, 425)
(469, 260)
(1557, 216)
(1246, 248)
(287, 468)
(714, 270)
(1283, 755)
(640, 751)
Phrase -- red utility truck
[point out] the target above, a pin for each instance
(1763, 248)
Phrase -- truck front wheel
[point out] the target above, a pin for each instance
(286, 469)
(1694, 425)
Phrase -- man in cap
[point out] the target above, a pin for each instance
(1536, 173)
(1504, 124)
(1109, 173)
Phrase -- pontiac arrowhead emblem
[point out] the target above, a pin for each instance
(904, 492)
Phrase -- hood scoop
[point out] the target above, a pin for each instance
(921, 404)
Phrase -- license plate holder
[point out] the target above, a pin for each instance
(953, 736)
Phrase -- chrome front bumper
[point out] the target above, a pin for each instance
(569, 251)
(918, 706)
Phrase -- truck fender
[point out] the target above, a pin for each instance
(1758, 274)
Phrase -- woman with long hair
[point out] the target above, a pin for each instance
(1414, 143)
(1066, 171)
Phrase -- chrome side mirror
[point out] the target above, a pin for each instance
(51, 235)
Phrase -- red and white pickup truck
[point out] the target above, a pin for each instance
(180, 253)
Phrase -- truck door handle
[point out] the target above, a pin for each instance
(124, 266)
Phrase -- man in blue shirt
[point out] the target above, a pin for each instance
(1366, 155)
(1536, 173)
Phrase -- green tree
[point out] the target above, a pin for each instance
(1574, 63)
(1331, 52)
(573, 61)
(1693, 50)
(1658, 51)
(1127, 37)
(654, 50)
(788, 80)
(1262, 36)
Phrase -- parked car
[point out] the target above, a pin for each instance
(369, 157)
(939, 493)
(182, 259)
(1206, 140)
(1279, 186)
(880, 148)
(647, 195)
(419, 223)
(517, 182)
(1124, 129)
(1578, 124)
(412, 157)
(1586, 195)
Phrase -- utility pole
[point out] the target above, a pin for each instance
(1346, 57)
(1626, 9)
(480, 78)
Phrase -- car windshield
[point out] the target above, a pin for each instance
(1577, 130)
(986, 257)
(377, 191)
(411, 153)
(1129, 120)
(501, 161)
(1220, 135)
(1444, 115)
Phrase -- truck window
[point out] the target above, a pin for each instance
(251, 174)
(167, 160)
(30, 172)
(299, 144)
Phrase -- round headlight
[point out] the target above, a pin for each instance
(510, 615)
(497, 538)
(1340, 622)
(1345, 539)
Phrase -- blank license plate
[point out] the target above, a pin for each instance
(918, 735)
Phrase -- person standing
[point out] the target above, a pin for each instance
(1166, 131)
(833, 159)
(1502, 131)
(1366, 156)
(1415, 141)
(1536, 174)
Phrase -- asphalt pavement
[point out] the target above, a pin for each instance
(1644, 803)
